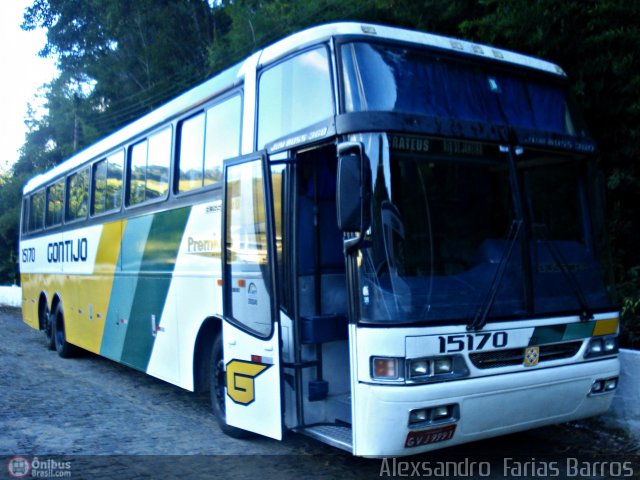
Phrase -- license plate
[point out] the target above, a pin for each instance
(425, 437)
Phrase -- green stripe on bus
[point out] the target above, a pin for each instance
(134, 238)
(562, 332)
(156, 269)
(549, 334)
(580, 330)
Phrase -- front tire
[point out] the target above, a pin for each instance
(64, 348)
(218, 393)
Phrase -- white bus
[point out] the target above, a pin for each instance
(381, 238)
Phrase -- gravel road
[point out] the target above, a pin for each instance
(88, 417)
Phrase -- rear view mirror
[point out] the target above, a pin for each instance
(353, 189)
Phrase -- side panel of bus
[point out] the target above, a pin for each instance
(136, 291)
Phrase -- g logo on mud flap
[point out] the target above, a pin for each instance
(241, 377)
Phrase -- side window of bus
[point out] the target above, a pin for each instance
(222, 139)
(205, 140)
(294, 94)
(107, 183)
(191, 153)
(24, 217)
(55, 201)
(77, 195)
(36, 211)
(149, 168)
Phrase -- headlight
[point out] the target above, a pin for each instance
(604, 385)
(418, 368)
(610, 344)
(442, 365)
(437, 415)
(610, 384)
(595, 347)
(418, 416)
(434, 369)
(600, 346)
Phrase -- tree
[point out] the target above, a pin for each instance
(10, 213)
(117, 60)
(597, 44)
(124, 57)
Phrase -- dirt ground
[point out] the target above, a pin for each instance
(88, 417)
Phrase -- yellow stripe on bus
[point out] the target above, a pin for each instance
(31, 285)
(606, 327)
(86, 298)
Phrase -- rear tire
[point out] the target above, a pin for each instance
(46, 320)
(218, 393)
(64, 348)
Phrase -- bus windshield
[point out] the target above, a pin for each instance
(443, 224)
(392, 78)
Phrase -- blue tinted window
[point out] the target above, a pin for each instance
(294, 94)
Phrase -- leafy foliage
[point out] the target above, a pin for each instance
(597, 43)
(118, 59)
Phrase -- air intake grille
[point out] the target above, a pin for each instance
(515, 356)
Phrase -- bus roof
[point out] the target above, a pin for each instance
(322, 32)
(234, 75)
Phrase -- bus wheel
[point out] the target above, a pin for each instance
(47, 327)
(64, 348)
(218, 391)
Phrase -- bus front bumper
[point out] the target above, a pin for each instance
(482, 407)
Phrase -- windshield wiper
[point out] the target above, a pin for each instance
(480, 318)
(585, 311)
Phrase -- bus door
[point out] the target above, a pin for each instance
(251, 330)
